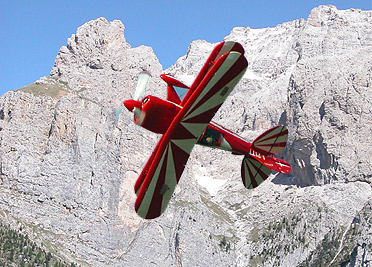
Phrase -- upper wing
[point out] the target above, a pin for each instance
(174, 147)
(177, 91)
(221, 49)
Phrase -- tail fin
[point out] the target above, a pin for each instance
(176, 90)
(253, 172)
(272, 141)
(257, 166)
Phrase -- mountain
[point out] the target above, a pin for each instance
(69, 158)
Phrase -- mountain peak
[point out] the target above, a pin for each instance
(98, 63)
(95, 45)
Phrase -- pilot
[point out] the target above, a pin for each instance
(209, 140)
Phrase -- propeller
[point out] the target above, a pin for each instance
(134, 105)
(143, 79)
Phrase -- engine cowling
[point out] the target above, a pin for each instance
(156, 114)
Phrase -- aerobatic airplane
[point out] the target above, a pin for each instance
(184, 119)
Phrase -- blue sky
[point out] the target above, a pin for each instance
(33, 31)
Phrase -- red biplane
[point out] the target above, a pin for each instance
(184, 119)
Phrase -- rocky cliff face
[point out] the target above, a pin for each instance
(69, 159)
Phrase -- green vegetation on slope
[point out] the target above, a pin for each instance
(16, 249)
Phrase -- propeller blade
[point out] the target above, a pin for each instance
(142, 81)
(117, 114)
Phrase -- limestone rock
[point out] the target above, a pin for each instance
(69, 158)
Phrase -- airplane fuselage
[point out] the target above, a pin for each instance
(156, 115)
(184, 119)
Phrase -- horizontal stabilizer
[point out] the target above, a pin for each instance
(253, 172)
(272, 141)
